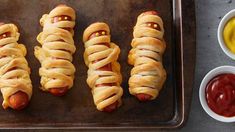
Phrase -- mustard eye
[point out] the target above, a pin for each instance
(155, 25)
(103, 33)
(97, 34)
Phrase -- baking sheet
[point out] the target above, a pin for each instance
(76, 109)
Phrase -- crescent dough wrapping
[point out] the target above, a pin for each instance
(148, 46)
(14, 70)
(103, 95)
(55, 54)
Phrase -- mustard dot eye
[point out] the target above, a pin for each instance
(66, 18)
(103, 33)
(59, 18)
(97, 34)
(4, 35)
(155, 25)
(149, 24)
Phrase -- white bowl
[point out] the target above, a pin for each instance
(210, 75)
(223, 22)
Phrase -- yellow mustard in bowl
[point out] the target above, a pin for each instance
(229, 35)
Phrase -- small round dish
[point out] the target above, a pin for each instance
(222, 24)
(202, 95)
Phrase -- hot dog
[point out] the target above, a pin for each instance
(150, 13)
(107, 67)
(58, 91)
(18, 100)
(62, 18)
(62, 90)
(152, 24)
(143, 96)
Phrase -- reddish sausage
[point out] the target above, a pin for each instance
(152, 24)
(143, 97)
(111, 107)
(18, 100)
(6, 34)
(63, 90)
(58, 91)
(150, 13)
(108, 67)
(61, 18)
(2, 23)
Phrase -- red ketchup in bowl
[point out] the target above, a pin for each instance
(220, 94)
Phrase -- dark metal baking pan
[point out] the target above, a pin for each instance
(76, 109)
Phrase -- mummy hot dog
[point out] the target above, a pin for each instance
(15, 83)
(148, 75)
(104, 75)
(55, 54)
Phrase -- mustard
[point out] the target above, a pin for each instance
(229, 35)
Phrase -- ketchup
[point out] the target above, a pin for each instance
(220, 94)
